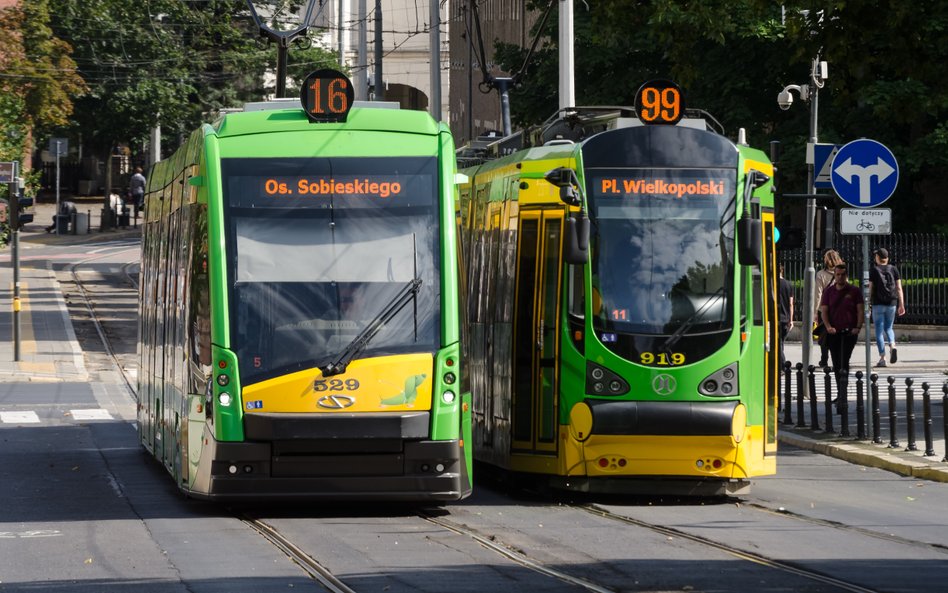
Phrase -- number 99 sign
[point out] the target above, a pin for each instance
(659, 102)
(327, 96)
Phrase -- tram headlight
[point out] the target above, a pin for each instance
(449, 378)
(602, 381)
(223, 380)
(721, 383)
(448, 397)
(739, 423)
(225, 399)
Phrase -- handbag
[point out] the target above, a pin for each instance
(819, 330)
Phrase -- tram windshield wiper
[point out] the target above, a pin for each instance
(359, 343)
(688, 323)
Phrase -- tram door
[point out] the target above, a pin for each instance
(536, 331)
(771, 321)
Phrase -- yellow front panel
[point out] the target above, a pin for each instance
(702, 456)
(384, 384)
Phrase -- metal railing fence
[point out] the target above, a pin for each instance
(922, 260)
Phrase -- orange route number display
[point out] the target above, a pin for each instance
(327, 96)
(659, 102)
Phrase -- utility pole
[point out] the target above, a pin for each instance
(435, 38)
(379, 94)
(567, 85)
(362, 68)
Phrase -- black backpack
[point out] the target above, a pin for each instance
(886, 293)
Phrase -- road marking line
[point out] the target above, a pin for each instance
(91, 414)
(19, 418)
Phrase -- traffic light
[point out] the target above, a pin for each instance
(18, 217)
(823, 228)
(789, 238)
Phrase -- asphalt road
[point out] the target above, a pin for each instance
(84, 509)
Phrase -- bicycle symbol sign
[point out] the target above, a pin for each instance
(862, 221)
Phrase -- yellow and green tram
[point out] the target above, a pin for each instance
(621, 306)
(299, 319)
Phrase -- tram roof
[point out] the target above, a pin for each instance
(359, 119)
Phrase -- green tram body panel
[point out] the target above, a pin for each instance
(270, 244)
(582, 373)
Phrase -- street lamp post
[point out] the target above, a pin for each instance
(819, 72)
(283, 39)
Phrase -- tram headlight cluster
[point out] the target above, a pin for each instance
(722, 383)
(602, 381)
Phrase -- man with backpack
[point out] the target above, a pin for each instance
(885, 288)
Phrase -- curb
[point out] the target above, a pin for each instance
(872, 455)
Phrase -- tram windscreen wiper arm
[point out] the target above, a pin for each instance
(362, 340)
(688, 323)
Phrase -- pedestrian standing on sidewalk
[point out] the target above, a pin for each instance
(784, 311)
(824, 278)
(885, 287)
(841, 308)
(136, 189)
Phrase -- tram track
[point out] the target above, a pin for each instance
(729, 549)
(485, 538)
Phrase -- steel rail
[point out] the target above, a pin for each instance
(310, 566)
(733, 551)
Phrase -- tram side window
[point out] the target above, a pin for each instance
(199, 320)
(576, 296)
(757, 294)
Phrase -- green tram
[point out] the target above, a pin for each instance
(299, 333)
(621, 304)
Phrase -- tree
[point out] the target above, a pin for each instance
(173, 63)
(732, 57)
(39, 78)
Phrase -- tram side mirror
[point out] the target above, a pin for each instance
(748, 241)
(565, 178)
(576, 245)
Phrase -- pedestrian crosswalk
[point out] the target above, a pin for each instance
(31, 417)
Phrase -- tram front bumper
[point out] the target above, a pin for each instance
(379, 469)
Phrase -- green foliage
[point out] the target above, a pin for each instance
(39, 77)
(732, 57)
(174, 63)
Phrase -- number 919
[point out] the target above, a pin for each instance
(662, 359)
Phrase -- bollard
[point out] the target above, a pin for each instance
(842, 401)
(876, 413)
(801, 421)
(860, 409)
(814, 414)
(944, 417)
(828, 399)
(927, 421)
(910, 414)
(787, 392)
(893, 414)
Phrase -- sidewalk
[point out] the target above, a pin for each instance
(49, 350)
(923, 362)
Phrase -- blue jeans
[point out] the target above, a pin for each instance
(883, 317)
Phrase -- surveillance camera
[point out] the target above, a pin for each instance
(785, 99)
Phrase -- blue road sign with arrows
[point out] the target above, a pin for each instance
(865, 173)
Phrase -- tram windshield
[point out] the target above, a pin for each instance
(662, 260)
(318, 248)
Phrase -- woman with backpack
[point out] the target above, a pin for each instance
(824, 278)
(885, 288)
